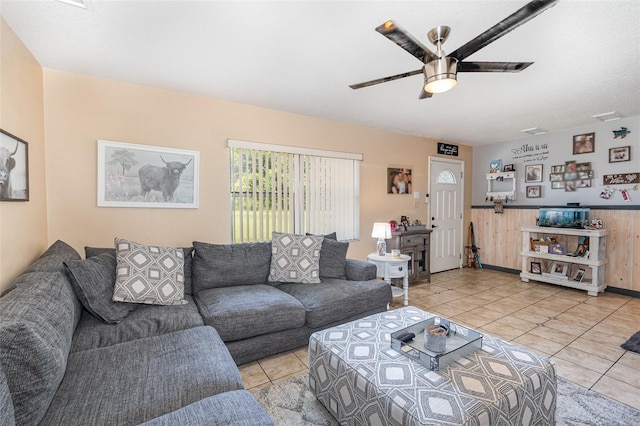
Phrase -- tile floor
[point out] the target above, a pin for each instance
(581, 335)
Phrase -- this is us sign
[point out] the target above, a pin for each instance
(447, 149)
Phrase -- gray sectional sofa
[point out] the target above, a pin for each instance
(61, 364)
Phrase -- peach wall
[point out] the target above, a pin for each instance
(80, 110)
(23, 225)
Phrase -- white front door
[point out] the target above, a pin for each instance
(446, 195)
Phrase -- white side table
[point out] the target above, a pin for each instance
(393, 267)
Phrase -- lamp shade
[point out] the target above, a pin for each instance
(381, 230)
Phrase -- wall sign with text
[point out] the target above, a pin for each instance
(621, 178)
(447, 149)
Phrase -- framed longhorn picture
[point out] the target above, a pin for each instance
(131, 175)
(14, 168)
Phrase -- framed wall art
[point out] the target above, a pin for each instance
(621, 153)
(131, 175)
(534, 191)
(14, 168)
(399, 181)
(584, 144)
(533, 173)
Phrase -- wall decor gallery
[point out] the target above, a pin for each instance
(565, 166)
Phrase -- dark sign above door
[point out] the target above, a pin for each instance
(621, 179)
(447, 149)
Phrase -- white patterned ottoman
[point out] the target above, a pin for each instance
(356, 375)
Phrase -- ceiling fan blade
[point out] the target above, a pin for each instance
(492, 66)
(405, 40)
(424, 94)
(385, 79)
(521, 16)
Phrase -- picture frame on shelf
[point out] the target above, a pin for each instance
(128, 176)
(508, 168)
(559, 249)
(620, 154)
(495, 166)
(559, 268)
(15, 153)
(533, 173)
(536, 268)
(534, 191)
(584, 143)
(579, 276)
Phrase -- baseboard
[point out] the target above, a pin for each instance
(501, 269)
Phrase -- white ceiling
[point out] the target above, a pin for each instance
(301, 57)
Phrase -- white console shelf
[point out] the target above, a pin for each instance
(596, 259)
(494, 195)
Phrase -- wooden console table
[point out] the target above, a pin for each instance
(415, 244)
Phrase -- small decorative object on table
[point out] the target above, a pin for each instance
(560, 249)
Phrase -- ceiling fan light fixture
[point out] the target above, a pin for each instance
(440, 75)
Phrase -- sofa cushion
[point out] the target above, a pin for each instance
(244, 311)
(218, 265)
(235, 408)
(7, 417)
(333, 257)
(93, 281)
(148, 274)
(145, 321)
(188, 261)
(331, 236)
(51, 260)
(333, 299)
(295, 258)
(37, 319)
(141, 380)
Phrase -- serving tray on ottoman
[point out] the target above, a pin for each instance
(356, 374)
(460, 342)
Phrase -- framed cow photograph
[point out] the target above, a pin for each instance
(131, 175)
(14, 168)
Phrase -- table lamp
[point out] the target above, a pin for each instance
(381, 231)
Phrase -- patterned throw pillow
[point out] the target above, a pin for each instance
(149, 274)
(295, 258)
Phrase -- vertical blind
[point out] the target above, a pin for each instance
(295, 190)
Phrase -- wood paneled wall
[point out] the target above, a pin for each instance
(500, 241)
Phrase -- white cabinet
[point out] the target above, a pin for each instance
(596, 260)
(508, 191)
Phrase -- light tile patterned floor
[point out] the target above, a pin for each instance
(580, 334)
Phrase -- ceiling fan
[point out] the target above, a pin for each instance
(440, 71)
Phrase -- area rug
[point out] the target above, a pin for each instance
(291, 403)
(633, 344)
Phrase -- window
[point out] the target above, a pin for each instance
(446, 177)
(289, 189)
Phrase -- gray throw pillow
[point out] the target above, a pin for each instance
(149, 274)
(188, 261)
(295, 258)
(226, 265)
(333, 258)
(331, 236)
(93, 281)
